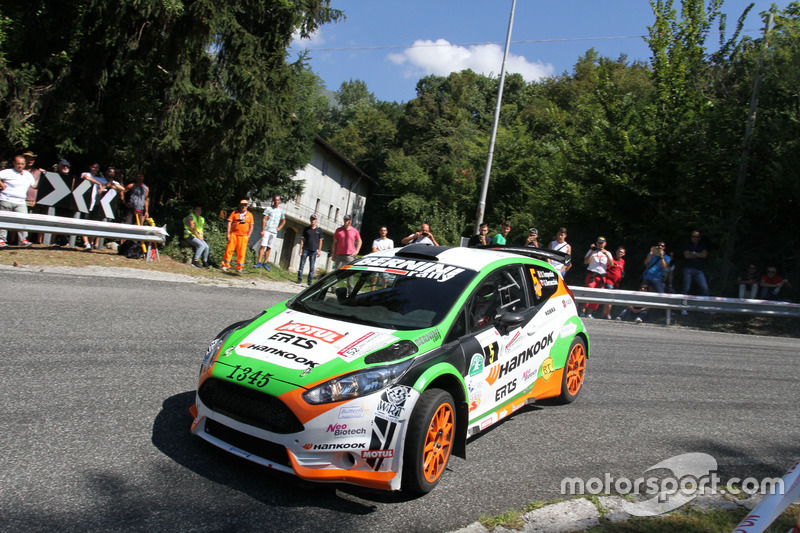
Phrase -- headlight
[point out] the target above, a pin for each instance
(216, 345)
(356, 384)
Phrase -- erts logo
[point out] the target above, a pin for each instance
(377, 454)
(315, 332)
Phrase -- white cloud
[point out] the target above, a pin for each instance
(442, 58)
(315, 39)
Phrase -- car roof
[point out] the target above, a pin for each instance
(468, 258)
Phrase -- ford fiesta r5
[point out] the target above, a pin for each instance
(382, 369)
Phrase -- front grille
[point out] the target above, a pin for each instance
(266, 450)
(249, 406)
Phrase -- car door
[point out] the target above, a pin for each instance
(491, 336)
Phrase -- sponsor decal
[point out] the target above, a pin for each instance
(476, 365)
(537, 285)
(366, 343)
(301, 361)
(377, 454)
(547, 278)
(547, 369)
(383, 433)
(325, 335)
(434, 335)
(488, 422)
(491, 354)
(336, 446)
(528, 375)
(550, 311)
(294, 340)
(392, 402)
(505, 390)
(351, 412)
(513, 340)
(510, 365)
(568, 330)
(407, 267)
(341, 430)
(517, 405)
(474, 402)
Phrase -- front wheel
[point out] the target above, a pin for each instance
(429, 441)
(574, 371)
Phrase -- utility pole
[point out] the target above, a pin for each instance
(727, 253)
(489, 157)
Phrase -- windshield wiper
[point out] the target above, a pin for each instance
(366, 321)
(304, 307)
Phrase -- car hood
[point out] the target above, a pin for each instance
(303, 349)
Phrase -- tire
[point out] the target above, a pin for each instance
(429, 441)
(574, 371)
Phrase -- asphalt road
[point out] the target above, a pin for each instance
(98, 374)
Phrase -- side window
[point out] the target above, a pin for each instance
(501, 292)
(458, 329)
(542, 283)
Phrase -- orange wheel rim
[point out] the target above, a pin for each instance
(438, 443)
(576, 366)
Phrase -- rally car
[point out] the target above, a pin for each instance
(379, 371)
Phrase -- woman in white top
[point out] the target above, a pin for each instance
(561, 245)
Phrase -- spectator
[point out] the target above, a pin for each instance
(423, 236)
(772, 285)
(654, 265)
(383, 242)
(668, 274)
(748, 278)
(560, 244)
(97, 187)
(639, 313)
(695, 254)
(193, 234)
(136, 199)
(346, 245)
(500, 238)
(310, 247)
(614, 275)
(30, 197)
(271, 224)
(63, 167)
(532, 241)
(97, 212)
(482, 238)
(240, 227)
(598, 260)
(14, 185)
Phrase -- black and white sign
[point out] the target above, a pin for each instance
(55, 192)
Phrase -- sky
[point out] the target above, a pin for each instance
(390, 46)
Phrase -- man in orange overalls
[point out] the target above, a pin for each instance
(240, 226)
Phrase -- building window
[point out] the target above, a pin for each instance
(316, 207)
(330, 211)
(337, 215)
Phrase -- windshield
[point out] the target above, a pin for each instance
(381, 298)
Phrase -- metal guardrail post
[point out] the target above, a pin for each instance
(76, 226)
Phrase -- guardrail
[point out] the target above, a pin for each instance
(76, 226)
(673, 302)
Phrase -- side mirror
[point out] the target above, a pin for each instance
(508, 321)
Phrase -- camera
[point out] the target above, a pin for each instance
(426, 234)
(655, 250)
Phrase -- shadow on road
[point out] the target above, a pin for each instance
(172, 437)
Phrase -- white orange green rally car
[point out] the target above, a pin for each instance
(379, 371)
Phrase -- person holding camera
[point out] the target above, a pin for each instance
(598, 260)
(654, 265)
(532, 241)
(423, 236)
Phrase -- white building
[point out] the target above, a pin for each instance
(333, 187)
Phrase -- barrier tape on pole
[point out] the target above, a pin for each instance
(773, 504)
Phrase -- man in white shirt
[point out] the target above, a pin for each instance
(14, 185)
(382, 242)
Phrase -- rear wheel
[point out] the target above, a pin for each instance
(429, 441)
(574, 370)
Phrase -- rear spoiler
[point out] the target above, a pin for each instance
(536, 253)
